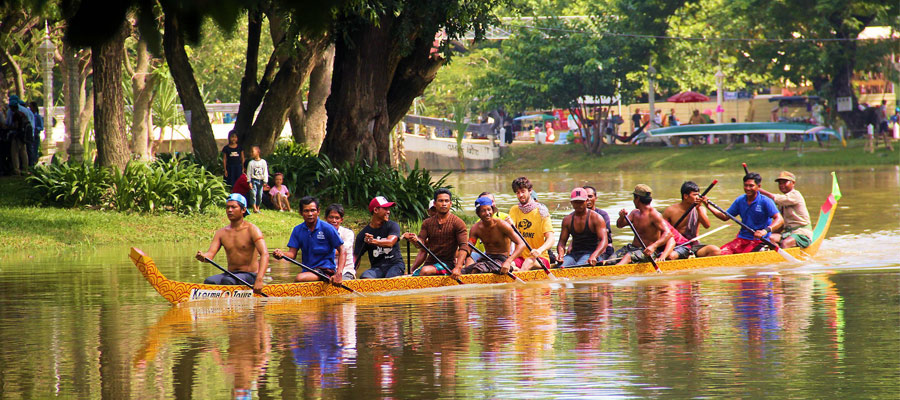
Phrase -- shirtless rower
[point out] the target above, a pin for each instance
(496, 235)
(245, 247)
(588, 244)
(651, 227)
(690, 199)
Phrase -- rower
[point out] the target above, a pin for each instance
(495, 213)
(797, 229)
(591, 205)
(532, 219)
(690, 200)
(318, 243)
(757, 212)
(588, 244)
(445, 235)
(381, 239)
(495, 234)
(649, 225)
(245, 247)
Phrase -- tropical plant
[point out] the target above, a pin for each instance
(70, 184)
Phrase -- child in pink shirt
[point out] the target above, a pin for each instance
(280, 194)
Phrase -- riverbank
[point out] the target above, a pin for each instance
(572, 157)
(26, 228)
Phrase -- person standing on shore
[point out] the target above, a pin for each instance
(258, 172)
(245, 247)
(797, 230)
(232, 159)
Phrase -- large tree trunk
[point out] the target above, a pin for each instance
(202, 139)
(142, 84)
(109, 111)
(252, 91)
(292, 72)
(308, 124)
(374, 85)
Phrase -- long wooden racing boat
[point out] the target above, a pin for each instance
(179, 292)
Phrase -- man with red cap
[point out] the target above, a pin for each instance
(381, 239)
(588, 231)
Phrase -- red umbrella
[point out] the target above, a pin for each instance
(688, 97)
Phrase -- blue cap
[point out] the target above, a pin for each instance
(483, 201)
(241, 200)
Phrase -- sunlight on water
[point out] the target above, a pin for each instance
(87, 325)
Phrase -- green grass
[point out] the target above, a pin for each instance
(25, 227)
(572, 157)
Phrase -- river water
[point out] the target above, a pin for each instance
(86, 325)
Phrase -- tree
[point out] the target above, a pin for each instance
(386, 53)
(555, 66)
(828, 57)
(142, 84)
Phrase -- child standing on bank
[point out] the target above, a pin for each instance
(232, 159)
(280, 194)
(258, 172)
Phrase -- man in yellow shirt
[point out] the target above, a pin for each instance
(532, 220)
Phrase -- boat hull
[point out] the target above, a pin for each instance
(178, 292)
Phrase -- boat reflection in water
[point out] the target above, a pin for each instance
(736, 335)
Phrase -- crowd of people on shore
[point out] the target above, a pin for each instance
(20, 136)
(519, 240)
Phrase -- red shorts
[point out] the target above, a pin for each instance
(521, 260)
(740, 245)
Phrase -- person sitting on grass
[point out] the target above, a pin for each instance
(281, 195)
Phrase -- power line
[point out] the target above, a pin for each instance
(699, 39)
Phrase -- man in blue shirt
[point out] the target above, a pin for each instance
(757, 212)
(317, 241)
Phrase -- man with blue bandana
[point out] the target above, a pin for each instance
(496, 235)
(245, 247)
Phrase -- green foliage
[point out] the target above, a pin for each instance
(354, 184)
(69, 184)
(554, 66)
(176, 185)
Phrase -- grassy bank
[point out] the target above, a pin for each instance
(27, 228)
(572, 157)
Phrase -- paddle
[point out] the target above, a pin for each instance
(780, 251)
(321, 276)
(408, 259)
(438, 260)
(486, 257)
(540, 260)
(746, 171)
(703, 235)
(233, 276)
(644, 246)
(683, 216)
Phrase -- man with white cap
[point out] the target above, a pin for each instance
(588, 231)
(797, 229)
(381, 239)
(245, 247)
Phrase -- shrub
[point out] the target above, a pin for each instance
(177, 184)
(69, 184)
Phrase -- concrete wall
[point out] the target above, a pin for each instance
(441, 154)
